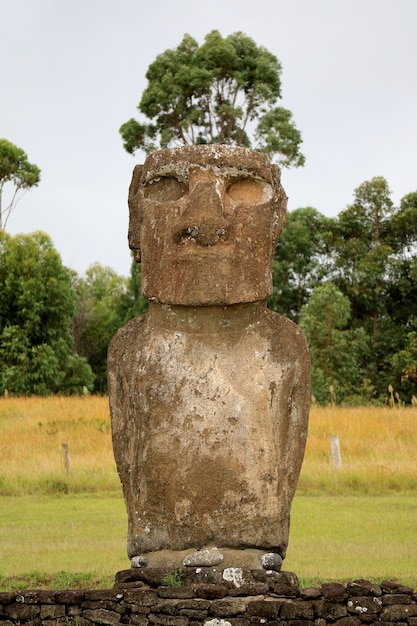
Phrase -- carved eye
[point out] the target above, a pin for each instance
(249, 191)
(165, 189)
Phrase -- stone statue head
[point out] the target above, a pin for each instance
(204, 222)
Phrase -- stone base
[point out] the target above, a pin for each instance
(139, 597)
(206, 581)
(209, 557)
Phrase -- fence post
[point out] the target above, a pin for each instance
(66, 457)
(335, 449)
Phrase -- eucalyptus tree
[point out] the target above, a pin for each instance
(223, 91)
(16, 170)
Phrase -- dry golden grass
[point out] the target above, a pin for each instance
(332, 537)
(32, 431)
(378, 447)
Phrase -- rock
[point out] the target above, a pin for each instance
(334, 592)
(138, 561)
(204, 558)
(271, 561)
(363, 588)
(234, 575)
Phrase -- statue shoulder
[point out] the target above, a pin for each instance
(127, 337)
(286, 332)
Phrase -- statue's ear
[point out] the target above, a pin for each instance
(135, 215)
(280, 203)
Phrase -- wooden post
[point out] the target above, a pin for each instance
(66, 457)
(335, 449)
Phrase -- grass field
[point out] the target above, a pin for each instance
(68, 530)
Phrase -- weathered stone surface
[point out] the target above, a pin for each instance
(348, 621)
(271, 561)
(101, 604)
(238, 611)
(204, 558)
(396, 598)
(139, 596)
(32, 596)
(209, 391)
(7, 597)
(178, 593)
(138, 620)
(363, 588)
(364, 605)
(217, 204)
(52, 611)
(209, 592)
(96, 595)
(168, 620)
(70, 596)
(227, 607)
(102, 616)
(19, 611)
(391, 586)
(249, 589)
(195, 614)
(267, 609)
(334, 592)
(150, 576)
(296, 609)
(283, 588)
(138, 561)
(398, 612)
(236, 576)
(330, 611)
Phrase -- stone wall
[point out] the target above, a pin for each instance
(232, 597)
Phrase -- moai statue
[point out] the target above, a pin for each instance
(209, 391)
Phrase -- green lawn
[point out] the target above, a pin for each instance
(345, 537)
(336, 538)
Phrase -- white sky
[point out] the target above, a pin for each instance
(72, 72)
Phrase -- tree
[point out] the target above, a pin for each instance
(132, 303)
(374, 264)
(300, 261)
(336, 351)
(404, 363)
(37, 304)
(214, 93)
(15, 169)
(362, 250)
(97, 320)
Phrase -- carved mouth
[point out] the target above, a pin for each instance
(201, 236)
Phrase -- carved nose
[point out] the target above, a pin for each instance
(205, 223)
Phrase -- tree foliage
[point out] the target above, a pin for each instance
(336, 350)
(214, 93)
(15, 169)
(366, 256)
(98, 318)
(300, 260)
(37, 304)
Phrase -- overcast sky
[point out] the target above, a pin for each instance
(72, 72)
